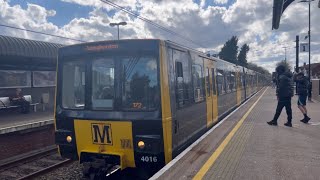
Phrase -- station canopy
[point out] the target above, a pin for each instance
(24, 54)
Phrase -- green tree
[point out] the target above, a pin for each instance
(242, 57)
(229, 50)
(259, 69)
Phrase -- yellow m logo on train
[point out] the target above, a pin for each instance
(101, 134)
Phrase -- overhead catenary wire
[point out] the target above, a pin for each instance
(118, 7)
(38, 32)
(150, 22)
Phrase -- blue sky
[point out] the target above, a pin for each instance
(65, 12)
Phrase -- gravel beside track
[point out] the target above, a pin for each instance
(73, 171)
(30, 166)
(70, 171)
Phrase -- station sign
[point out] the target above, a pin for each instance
(304, 47)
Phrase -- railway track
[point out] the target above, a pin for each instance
(31, 166)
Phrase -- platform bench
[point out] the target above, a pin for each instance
(6, 104)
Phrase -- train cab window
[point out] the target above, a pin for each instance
(140, 87)
(103, 84)
(73, 85)
(208, 82)
(214, 82)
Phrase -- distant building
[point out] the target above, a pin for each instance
(315, 69)
(212, 54)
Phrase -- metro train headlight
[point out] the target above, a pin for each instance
(141, 144)
(69, 139)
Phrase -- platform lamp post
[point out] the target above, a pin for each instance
(118, 24)
(285, 54)
(309, 37)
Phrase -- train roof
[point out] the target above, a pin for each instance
(177, 45)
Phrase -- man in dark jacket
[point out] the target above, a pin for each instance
(302, 91)
(284, 95)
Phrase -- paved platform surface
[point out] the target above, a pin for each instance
(251, 149)
(14, 121)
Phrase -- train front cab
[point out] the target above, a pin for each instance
(108, 104)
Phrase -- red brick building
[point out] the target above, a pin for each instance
(315, 69)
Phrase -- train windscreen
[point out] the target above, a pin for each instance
(123, 83)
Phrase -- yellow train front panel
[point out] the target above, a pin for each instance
(106, 137)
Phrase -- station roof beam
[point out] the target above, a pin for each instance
(278, 8)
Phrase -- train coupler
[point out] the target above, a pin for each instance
(99, 170)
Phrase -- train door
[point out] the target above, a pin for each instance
(214, 95)
(208, 64)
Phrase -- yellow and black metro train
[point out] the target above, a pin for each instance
(139, 103)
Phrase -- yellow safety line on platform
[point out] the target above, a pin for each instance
(204, 169)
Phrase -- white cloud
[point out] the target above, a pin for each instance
(210, 26)
(220, 1)
(34, 17)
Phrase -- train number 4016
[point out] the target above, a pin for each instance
(149, 159)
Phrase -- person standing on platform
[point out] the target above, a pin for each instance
(302, 91)
(284, 95)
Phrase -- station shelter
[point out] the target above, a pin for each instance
(31, 66)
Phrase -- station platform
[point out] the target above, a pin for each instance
(14, 121)
(244, 146)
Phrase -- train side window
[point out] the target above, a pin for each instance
(240, 82)
(179, 69)
(232, 81)
(214, 82)
(243, 80)
(220, 82)
(182, 78)
(247, 81)
(197, 87)
(208, 82)
(226, 81)
(198, 80)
